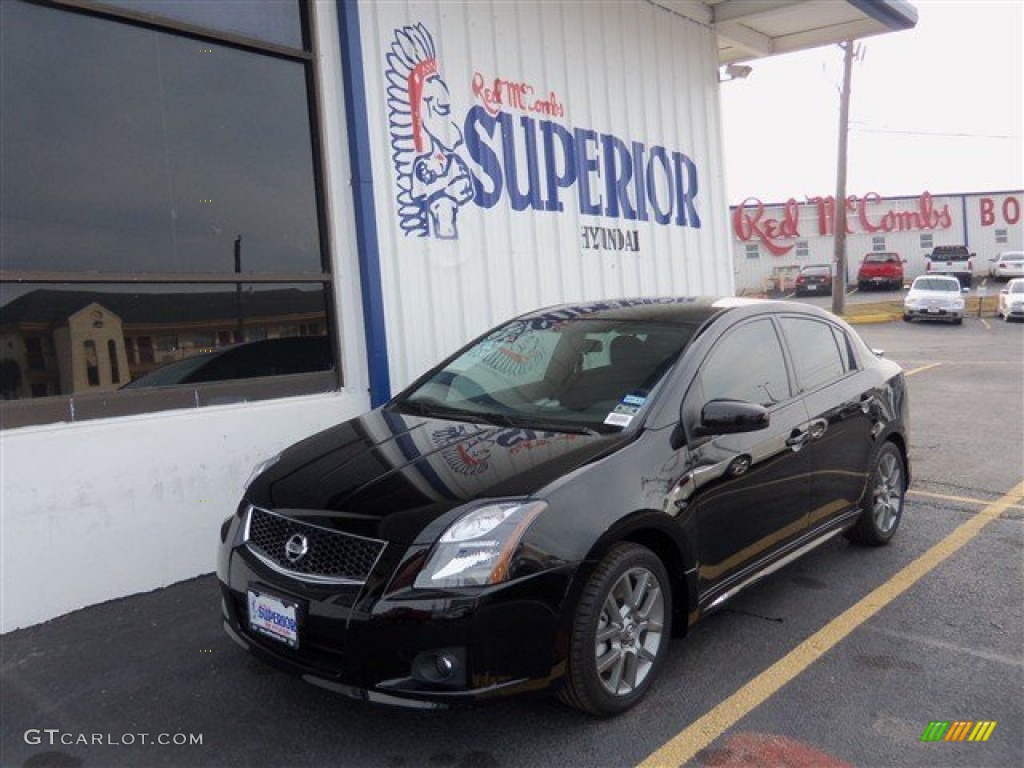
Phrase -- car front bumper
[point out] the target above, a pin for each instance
(501, 640)
(934, 313)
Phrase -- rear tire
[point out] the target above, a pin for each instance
(620, 632)
(882, 507)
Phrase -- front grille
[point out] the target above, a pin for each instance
(330, 556)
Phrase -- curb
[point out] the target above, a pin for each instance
(868, 319)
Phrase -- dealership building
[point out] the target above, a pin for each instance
(772, 241)
(375, 181)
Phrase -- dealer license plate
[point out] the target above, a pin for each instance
(934, 310)
(275, 617)
(812, 287)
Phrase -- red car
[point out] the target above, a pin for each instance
(880, 270)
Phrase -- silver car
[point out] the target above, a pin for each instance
(934, 297)
(1011, 300)
(1007, 265)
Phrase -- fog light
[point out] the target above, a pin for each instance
(445, 666)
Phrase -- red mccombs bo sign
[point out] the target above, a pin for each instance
(750, 219)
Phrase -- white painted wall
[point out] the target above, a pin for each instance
(987, 216)
(102, 509)
(629, 69)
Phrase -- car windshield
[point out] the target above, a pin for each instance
(583, 374)
(1017, 288)
(880, 258)
(936, 284)
(816, 271)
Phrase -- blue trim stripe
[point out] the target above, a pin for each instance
(365, 214)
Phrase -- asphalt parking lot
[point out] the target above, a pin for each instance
(843, 658)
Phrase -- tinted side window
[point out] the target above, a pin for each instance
(747, 364)
(816, 356)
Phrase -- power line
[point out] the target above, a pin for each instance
(943, 134)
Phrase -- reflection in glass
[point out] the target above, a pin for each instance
(55, 341)
(275, 21)
(130, 150)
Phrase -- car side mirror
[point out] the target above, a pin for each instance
(726, 417)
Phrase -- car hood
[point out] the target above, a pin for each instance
(386, 474)
(920, 293)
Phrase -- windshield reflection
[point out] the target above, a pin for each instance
(576, 375)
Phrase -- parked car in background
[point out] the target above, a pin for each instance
(542, 511)
(1007, 265)
(814, 279)
(934, 297)
(249, 360)
(880, 270)
(953, 260)
(1011, 300)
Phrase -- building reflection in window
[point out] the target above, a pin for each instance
(55, 341)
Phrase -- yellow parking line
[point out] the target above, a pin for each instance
(684, 746)
(922, 368)
(985, 323)
(961, 499)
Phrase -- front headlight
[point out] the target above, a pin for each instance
(477, 548)
(958, 303)
(909, 303)
(260, 468)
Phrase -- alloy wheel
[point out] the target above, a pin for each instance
(629, 631)
(888, 492)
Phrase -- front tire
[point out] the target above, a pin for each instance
(620, 632)
(882, 508)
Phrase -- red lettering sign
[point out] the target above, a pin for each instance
(747, 225)
(988, 211)
(749, 219)
(514, 95)
(1011, 210)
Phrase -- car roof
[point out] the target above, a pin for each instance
(665, 309)
(684, 310)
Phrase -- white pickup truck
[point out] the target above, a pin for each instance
(954, 260)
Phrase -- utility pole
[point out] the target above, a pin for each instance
(839, 284)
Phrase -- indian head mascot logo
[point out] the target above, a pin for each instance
(426, 143)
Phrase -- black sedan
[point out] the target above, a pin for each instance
(543, 510)
(814, 280)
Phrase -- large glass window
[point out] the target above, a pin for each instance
(133, 154)
(274, 21)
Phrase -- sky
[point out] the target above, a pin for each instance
(939, 108)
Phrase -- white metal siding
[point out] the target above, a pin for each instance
(630, 69)
(988, 214)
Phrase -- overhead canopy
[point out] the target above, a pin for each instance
(754, 29)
